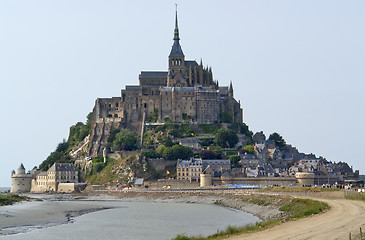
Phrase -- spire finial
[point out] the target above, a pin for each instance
(176, 31)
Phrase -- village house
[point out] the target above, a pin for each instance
(60, 177)
(192, 143)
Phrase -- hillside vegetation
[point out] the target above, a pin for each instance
(127, 159)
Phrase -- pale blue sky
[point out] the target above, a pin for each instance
(296, 66)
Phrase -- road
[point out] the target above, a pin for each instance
(344, 216)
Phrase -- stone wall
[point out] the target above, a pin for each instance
(160, 164)
(66, 187)
(173, 183)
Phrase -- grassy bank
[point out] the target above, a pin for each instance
(9, 199)
(297, 208)
(356, 196)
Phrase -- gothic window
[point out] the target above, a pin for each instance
(110, 105)
(145, 105)
(116, 105)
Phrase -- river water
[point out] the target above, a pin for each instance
(131, 220)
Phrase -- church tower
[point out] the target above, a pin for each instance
(176, 70)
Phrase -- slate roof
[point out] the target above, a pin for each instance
(176, 49)
(62, 167)
(216, 162)
(153, 74)
(190, 163)
(191, 63)
(132, 87)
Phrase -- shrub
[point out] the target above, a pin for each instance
(150, 153)
(226, 138)
(125, 140)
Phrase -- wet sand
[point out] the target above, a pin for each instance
(62, 208)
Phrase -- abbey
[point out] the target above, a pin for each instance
(186, 92)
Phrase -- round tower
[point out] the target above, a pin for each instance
(206, 180)
(20, 182)
(21, 169)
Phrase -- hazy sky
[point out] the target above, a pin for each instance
(298, 67)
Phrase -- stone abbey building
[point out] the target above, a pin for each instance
(186, 92)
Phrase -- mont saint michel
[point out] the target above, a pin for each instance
(171, 153)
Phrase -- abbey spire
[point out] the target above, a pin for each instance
(176, 50)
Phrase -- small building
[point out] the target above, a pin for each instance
(138, 182)
(249, 160)
(193, 143)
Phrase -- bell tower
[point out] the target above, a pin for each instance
(176, 61)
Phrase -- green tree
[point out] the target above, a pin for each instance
(235, 161)
(168, 142)
(226, 138)
(207, 154)
(125, 140)
(177, 152)
(62, 146)
(279, 140)
(205, 142)
(249, 148)
(160, 149)
(112, 135)
(150, 153)
(217, 151)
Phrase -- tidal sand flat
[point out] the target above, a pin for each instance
(115, 219)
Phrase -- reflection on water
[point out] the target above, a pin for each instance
(141, 220)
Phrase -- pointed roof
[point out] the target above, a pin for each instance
(176, 48)
(21, 167)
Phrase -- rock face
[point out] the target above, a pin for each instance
(99, 134)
